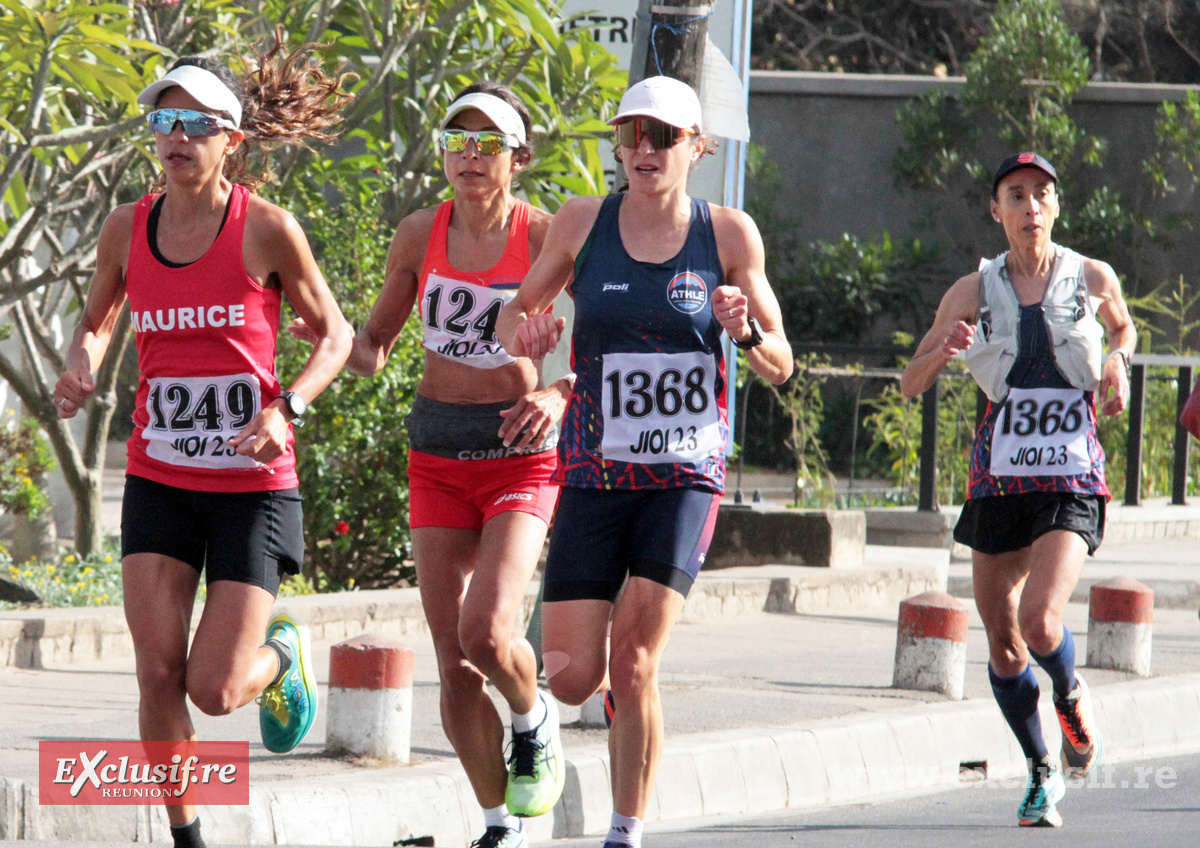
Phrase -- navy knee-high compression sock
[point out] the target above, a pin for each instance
(1060, 664)
(1018, 700)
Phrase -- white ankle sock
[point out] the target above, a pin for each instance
(625, 830)
(501, 817)
(533, 718)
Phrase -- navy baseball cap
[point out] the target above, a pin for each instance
(1021, 160)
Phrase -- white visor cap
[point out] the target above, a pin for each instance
(669, 100)
(504, 116)
(203, 85)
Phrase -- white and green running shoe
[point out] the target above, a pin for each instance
(288, 707)
(536, 769)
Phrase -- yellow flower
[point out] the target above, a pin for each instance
(87, 570)
(106, 559)
(50, 569)
(73, 589)
(68, 558)
(58, 580)
(28, 573)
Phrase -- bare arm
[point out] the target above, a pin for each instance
(1122, 335)
(397, 298)
(524, 327)
(278, 242)
(952, 331)
(747, 294)
(106, 297)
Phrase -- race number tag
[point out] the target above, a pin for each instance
(193, 418)
(460, 321)
(1041, 433)
(660, 407)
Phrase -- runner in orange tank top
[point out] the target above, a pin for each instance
(211, 484)
(482, 437)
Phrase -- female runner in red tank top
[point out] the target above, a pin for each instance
(211, 479)
(482, 439)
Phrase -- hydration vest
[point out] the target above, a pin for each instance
(1070, 320)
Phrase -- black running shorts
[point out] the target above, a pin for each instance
(247, 537)
(1005, 523)
(600, 535)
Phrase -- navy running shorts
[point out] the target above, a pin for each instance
(1005, 523)
(247, 537)
(602, 535)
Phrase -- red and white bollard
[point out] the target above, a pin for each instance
(1120, 620)
(931, 644)
(370, 698)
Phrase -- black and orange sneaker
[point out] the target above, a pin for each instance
(1081, 741)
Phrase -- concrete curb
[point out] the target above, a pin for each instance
(1168, 594)
(740, 771)
(40, 637)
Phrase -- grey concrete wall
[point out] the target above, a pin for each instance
(834, 136)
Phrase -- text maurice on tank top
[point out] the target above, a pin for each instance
(189, 318)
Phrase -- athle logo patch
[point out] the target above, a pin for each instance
(687, 293)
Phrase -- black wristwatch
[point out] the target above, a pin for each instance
(756, 336)
(294, 404)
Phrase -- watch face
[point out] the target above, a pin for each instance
(295, 404)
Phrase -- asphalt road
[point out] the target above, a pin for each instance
(1138, 803)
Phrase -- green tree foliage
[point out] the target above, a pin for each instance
(1019, 82)
(896, 433)
(840, 290)
(73, 145)
(352, 452)
(414, 57)
(25, 457)
(1019, 86)
(1140, 41)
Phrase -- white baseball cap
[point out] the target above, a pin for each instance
(203, 85)
(502, 114)
(669, 100)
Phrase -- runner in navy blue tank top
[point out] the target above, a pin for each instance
(657, 278)
(1028, 323)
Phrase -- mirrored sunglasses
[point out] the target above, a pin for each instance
(487, 142)
(194, 123)
(662, 135)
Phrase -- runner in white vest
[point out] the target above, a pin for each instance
(1035, 508)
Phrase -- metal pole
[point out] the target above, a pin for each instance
(1133, 446)
(929, 438)
(1182, 440)
(668, 40)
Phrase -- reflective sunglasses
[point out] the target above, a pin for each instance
(487, 142)
(662, 135)
(194, 123)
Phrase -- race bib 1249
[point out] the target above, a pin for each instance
(193, 418)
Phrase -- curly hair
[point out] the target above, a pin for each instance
(286, 99)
